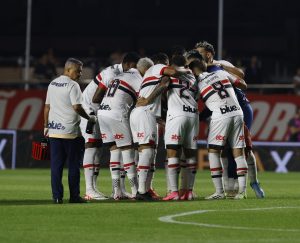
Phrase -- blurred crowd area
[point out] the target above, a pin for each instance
(260, 72)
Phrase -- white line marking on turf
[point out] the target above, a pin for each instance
(171, 219)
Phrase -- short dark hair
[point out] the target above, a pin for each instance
(207, 46)
(160, 58)
(131, 57)
(193, 54)
(72, 60)
(179, 60)
(197, 64)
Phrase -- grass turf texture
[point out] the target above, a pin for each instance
(28, 215)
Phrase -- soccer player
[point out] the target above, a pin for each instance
(207, 51)
(226, 124)
(103, 80)
(113, 118)
(143, 119)
(181, 127)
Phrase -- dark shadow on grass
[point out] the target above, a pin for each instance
(24, 202)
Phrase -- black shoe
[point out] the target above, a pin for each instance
(77, 200)
(144, 197)
(57, 201)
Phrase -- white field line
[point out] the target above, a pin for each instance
(171, 219)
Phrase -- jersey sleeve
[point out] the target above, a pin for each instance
(75, 94)
(158, 70)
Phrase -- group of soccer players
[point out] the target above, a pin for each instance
(128, 100)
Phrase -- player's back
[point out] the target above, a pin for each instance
(182, 96)
(151, 80)
(217, 92)
(121, 94)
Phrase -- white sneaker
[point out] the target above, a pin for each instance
(215, 196)
(101, 194)
(241, 195)
(93, 195)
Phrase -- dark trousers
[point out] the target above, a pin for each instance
(67, 151)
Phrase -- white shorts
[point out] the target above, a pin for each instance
(113, 130)
(182, 130)
(229, 130)
(95, 136)
(143, 126)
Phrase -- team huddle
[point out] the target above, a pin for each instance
(133, 100)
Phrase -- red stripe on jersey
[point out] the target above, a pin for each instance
(225, 81)
(162, 71)
(173, 166)
(216, 169)
(102, 86)
(236, 82)
(174, 81)
(151, 78)
(206, 90)
(99, 77)
(127, 86)
(88, 166)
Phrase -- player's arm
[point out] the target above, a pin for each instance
(99, 94)
(80, 111)
(163, 85)
(228, 67)
(237, 82)
(46, 115)
(173, 72)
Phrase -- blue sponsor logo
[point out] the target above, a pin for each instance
(57, 126)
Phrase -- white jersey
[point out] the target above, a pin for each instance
(150, 81)
(218, 94)
(107, 75)
(182, 96)
(121, 95)
(62, 94)
(87, 96)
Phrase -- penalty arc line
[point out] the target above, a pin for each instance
(170, 219)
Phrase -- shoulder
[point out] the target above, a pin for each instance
(223, 62)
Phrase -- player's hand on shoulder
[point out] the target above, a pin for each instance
(142, 101)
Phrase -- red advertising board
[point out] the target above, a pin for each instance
(23, 110)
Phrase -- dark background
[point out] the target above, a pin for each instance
(266, 28)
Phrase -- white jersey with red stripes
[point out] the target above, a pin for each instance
(150, 81)
(182, 96)
(217, 92)
(87, 97)
(121, 95)
(107, 75)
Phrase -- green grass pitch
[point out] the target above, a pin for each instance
(28, 215)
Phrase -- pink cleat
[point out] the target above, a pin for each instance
(154, 194)
(188, 195)
(172, 196)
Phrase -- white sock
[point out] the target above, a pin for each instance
(191, 172)
(88, 165)
(167, 176)
(224, 161)
(173, 173)
(216, 171)
(231, 183)
(150, 175)
(136, 157)
(241, 170)
(115, 157)
(252, 169)
(130, 168)
(146, 158)
(96, 167)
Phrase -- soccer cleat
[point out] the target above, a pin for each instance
(57, 201)
(172, 196)
(259, 192)
(241, 195)
(144, 197)
(93, 195)
(215, 196)
(188, 195)
(153, 194)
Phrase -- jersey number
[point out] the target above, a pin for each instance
(221, 90)
(113, 88)
(186, 85)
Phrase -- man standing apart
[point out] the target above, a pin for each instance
(61, 123)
